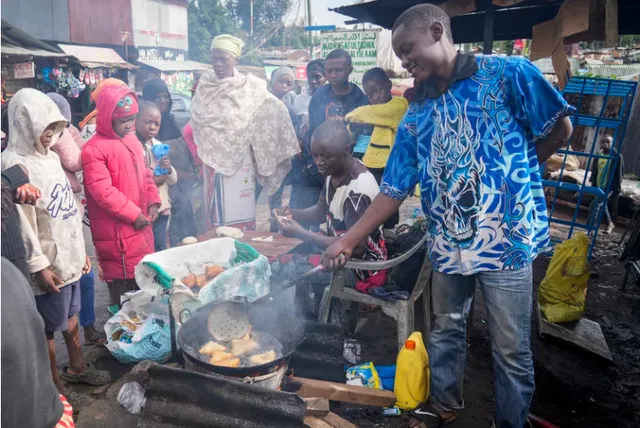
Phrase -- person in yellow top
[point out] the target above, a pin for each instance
(384, 115)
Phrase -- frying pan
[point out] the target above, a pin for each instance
(230, 320)
(288, 330)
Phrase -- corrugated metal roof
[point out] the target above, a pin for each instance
(609, 70)
(8, 49)
(166, 65)
(546, 66)
(94, 57)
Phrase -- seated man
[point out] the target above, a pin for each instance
(348, 191)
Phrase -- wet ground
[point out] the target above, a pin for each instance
(573, 389)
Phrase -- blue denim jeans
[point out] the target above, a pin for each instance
(87, 313)
(508, 299)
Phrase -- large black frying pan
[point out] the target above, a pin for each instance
(288, 330)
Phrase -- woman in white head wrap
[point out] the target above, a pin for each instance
(243, 134)
(282, 81)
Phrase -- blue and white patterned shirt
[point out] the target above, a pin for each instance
(472, 151)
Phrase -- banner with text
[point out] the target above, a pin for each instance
(362, 45)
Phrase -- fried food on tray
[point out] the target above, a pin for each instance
(211, 348)
(241, 347)
(265, 358)
(201, 280)
(213, 271)
(189, 280)
(233, 362)
(218, 356)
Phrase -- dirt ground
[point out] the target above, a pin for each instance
(573, 389)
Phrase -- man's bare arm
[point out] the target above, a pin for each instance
(557, 138)
(378, 212)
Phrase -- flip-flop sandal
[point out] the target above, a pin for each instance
(98, 339)
(427, 416)
(90, 376)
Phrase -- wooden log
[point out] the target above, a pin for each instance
(316, 406)
(341, 392)
(338, 422)
(330, 420)
(315, 422)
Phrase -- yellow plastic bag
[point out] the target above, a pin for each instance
(563, 291)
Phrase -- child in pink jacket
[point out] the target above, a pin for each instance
(122, 199)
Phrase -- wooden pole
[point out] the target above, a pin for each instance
(488, 27)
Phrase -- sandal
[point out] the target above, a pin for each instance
(97, 339)
(428, 416)
(90, 376)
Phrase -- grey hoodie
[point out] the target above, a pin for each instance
(56, 218)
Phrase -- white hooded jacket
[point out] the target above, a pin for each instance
(56, 218)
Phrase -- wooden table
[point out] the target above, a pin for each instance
(280, 244)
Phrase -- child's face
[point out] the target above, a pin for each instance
(377, 92)
(315, 79)
(47, 136)
(605, 143)
(329, 157)
(148, 123)
(124, 125)
(282, 86)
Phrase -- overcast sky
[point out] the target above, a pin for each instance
(320, 12)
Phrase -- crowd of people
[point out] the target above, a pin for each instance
(470, 138)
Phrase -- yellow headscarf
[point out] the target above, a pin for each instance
(228, 43)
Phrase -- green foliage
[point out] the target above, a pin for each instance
(267, 15)
(207, 19)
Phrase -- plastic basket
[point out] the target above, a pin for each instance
(245, 253)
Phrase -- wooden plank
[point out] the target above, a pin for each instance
(316, 406)
(315, 422)
(611, 23)
(584, 334)
(338, 422)
(346, 393)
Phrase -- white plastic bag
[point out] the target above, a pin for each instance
(131, 397)
(140, 330)
(250, 280)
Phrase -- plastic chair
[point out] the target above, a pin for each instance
(404, 310)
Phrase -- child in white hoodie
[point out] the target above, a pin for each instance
(56, 220)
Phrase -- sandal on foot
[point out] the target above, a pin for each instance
(90, 376)
(428, 416)
(97, 339)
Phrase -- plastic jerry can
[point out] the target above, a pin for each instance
(412, 373)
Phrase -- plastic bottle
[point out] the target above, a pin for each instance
(412, 373)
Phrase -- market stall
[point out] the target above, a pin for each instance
(178, 75)
(92, 65)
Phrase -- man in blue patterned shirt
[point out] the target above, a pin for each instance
(472, 140)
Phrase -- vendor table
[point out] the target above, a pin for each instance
(280, 244)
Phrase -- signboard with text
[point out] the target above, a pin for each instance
(362, 45)
(24, 70)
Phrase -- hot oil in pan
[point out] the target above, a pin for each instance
(265, 341)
